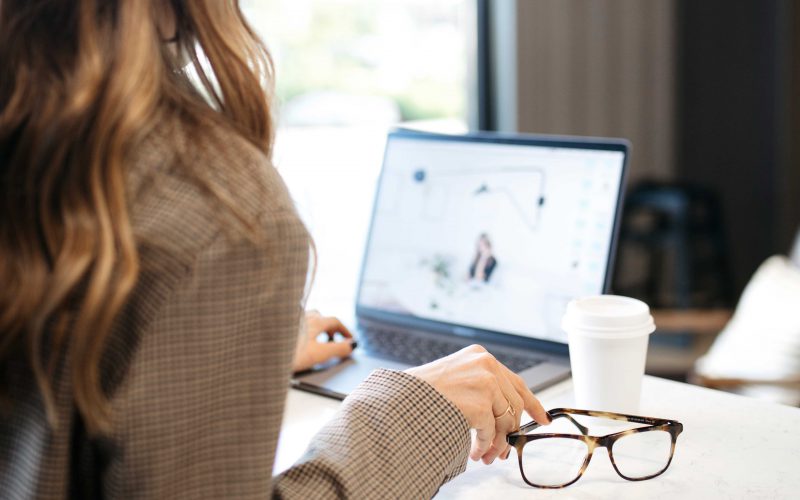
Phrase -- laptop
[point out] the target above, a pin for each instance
(481, 238)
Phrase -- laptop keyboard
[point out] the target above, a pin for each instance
(396, 345)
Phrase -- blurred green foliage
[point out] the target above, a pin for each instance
(411, 51)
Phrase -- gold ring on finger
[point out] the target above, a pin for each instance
(510, 410)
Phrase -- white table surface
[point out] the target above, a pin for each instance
(731, 447)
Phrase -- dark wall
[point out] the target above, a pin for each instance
(735, 123)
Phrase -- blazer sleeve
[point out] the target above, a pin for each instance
(394, 437)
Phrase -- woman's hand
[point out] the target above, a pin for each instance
(310, 351)
(490, 396)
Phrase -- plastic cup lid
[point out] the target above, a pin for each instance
(608, 316)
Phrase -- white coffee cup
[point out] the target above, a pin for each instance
(608, 337)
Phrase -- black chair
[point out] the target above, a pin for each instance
(672, 251)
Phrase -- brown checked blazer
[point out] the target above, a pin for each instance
(198, 364)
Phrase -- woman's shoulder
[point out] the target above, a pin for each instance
(184, 194)
(186, 186)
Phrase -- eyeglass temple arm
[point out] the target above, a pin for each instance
(614, 416)
(584, 430)
(554, 415)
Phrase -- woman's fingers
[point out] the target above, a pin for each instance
(494, 404)
(312, 352)
(530, 403)
(328, 350)
(484, 435)
(332, 325)
(499, 406)
(515, 398)
(507, 419)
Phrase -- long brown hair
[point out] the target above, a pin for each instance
(82, 82)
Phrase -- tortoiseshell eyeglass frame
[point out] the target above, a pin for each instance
(520, 438)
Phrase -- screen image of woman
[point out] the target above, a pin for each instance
(484, 262)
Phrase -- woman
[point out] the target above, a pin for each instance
(154, 269)
(484, 262)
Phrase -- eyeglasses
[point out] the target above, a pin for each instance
(550, 460)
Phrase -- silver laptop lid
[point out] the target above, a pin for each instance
(491, 235)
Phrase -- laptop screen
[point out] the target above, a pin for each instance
(495, 234)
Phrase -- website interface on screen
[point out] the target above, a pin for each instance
(492, 236)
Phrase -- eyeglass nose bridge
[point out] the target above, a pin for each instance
(606, 442)
(592, 443)
(597, 442)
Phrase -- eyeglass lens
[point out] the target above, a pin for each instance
(553, 461)
(642, 454)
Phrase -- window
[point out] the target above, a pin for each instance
(348, 71)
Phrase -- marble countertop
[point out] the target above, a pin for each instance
(731, 447)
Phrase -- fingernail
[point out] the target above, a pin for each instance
(354, 344)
